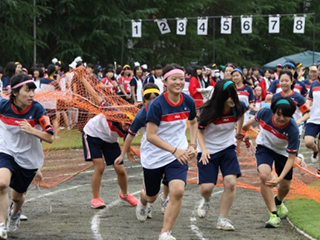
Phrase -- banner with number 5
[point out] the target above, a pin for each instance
(181, 26)
(298, 25)
(136, 29)
(246, 25)
(163, 26)
(226, 25)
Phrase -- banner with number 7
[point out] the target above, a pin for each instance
(298, 25)
(274, 24)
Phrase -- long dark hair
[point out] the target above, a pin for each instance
(9, 70)
(212, 110)
(194, 72)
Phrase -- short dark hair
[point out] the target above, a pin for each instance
(287, 110)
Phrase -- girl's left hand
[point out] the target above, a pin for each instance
(192, 152)
(26, 127)
(273, 182)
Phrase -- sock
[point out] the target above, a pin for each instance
(206, 202)
(277, 201)
(315, 154)
(275, 212)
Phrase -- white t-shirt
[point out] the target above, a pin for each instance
(159, 83)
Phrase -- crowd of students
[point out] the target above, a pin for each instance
(219, 102)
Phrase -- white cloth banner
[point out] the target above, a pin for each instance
(226, 25)
(202, 26)
(163, 26)
(136, 29)
(298, 25)
(181, 26)
(246, 25)
(274, 24)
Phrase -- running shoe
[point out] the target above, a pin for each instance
(203, 208)
(142, 211)
(3, 231)
(97, 203)
(149, 211)
(314, 156)
(166, 236)
(13, 221)
(282, 211)
(273, 222)
(163, 203)
(129, 198)
(224, 224)
(23, 218)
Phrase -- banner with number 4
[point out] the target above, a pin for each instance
(226, 25)
(163, 26)
(202, 26)
(298, 25)
(246, 25)
(274, 24)
(181, 26)
(136, 29)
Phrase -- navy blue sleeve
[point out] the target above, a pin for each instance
(251, 96)
(272, 89)
(192, 105)
(294, 139)
(138, 122)
(244, 108)
(149, 79)
(154, 112)
(5, 81)
(133, 82)
(260, 113)
(304, 90)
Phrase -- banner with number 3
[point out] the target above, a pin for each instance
(181, 26)
(298, 25)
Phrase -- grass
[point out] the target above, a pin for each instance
(305, 214)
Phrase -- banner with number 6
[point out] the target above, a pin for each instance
(274, 24)
(136, 29)
(181, 26)
(163, 26)
(226, 25)
(298, 25)
(202, 26)
(246, 25)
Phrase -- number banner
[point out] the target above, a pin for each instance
(246, 25)
(298, 25)
(163, 26)
(274, 24)
(202, 26)
(136, 29)
(181, 26)
(226, 25)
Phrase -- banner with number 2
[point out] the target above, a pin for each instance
(163, 26)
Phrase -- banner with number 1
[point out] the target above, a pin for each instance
(136, 29)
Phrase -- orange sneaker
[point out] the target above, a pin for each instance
(97, 203)
(129, 198)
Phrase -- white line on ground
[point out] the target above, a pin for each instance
(194, 228)
(300, 231)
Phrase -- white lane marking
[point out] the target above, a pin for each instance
(95, 221)
(193, 220)
(300, 231)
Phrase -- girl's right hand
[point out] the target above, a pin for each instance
(205, 156)
(182, 156)
(118, 160)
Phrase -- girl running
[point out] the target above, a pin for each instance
(23, 123)
(100, 145)
(216, 137)
(166, 155)
(278, 142)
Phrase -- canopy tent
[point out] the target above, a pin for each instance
(306, 58)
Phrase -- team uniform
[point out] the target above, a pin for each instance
(308, 83)
(246, 95)
(220, 142)
(170, 118)
(299, 87)
(275, 143)
(100, 137)
(20, 152)
(313, 123)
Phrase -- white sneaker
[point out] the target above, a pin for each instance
(314, 157)
(224, 224)
(149, 211)
(141, 212)
(203, 208)
(13, 221)
(166, 236)
(163, 203)
(23, 218)
(3, 231)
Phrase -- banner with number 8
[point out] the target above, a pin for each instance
(246, 25)
(298, 25)
(226, 25)
(163, 26)
(181, 26)
(136, 29)
(274, 24)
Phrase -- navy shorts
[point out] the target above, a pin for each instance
(171, 171)
(227, 161)
(267, 156)
(96, 148)
(312, 129)
(21, 178)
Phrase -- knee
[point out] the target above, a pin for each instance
(230, 186)
(177, 193)
(99, 168)
(206, 190)
(264, 177)
(309, 144)
(17, 197)
(4, 186)
(151, 199)
(121, 172)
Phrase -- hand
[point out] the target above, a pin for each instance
(298, 123)
(26, 127)
(273, 182)
(205, 156)
(182, 156)
(118, 160)
(38, 177)
(127, 97)
(131, 157)
(240, 136)
(192, 152)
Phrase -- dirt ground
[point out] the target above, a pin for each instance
(72, 217)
